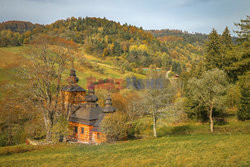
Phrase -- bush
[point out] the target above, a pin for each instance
(115, 126)
(3, 139)
(60, 130)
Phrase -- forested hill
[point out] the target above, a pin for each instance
(18, 26)
(132, 47)
(178, 35)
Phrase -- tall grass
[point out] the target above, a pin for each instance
(198, 150)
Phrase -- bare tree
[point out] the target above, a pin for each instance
(48, 60)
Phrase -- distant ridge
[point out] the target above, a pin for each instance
(181, 35)
(18, 26)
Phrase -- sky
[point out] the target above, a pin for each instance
(187, 15)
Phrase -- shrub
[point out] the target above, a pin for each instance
(115, 126)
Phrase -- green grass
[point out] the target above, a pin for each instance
(13, 49)
(198, 150)
(10, 60)
(237, 127)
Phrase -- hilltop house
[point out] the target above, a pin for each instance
(87, 115)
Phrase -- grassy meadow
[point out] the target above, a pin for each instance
(228, 146)
(197, 150)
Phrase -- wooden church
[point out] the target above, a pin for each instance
(85, 115)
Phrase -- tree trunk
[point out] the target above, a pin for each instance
(211, 119)
(154, 125)
(48, 126)
(48, 135)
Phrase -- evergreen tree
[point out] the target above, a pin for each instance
(244, 111)
(226, 39)
(237, 62)
(226, 48)
(240, 67)
(243, 33)
(237, 59)
(213, 57)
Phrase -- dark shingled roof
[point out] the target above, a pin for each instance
(108, 109)
(99, 120)
(73, 88)
(86, 113)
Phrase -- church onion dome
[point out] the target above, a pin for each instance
(91, 89)
(91, 97)
(72, 83)
(108, 105)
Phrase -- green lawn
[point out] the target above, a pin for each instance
(197, 150)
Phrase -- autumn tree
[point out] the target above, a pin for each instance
(19, 115)
(9, 38)
(209, 91)
(48, 60)
(115, 126)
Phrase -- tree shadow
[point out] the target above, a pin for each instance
(176, 130)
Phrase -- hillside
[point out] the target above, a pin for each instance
(131, 46)
(86, 65)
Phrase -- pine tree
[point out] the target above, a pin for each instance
(213, 55)
(226, 39)
(243, 33)
(237, 59)
(240, 67)
(244, 111)
(226, 48)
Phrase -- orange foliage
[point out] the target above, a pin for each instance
(170, 38)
